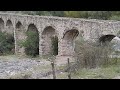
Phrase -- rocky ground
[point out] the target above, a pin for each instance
(13, 67)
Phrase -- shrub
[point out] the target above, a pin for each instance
(115, 17)
(31, 44)
(6, 43)
(91, 55)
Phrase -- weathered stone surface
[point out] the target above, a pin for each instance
(48, 26)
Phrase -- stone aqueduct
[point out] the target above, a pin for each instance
(66, 29)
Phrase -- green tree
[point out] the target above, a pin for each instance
(74, 14)
(31, 44)
(99, 14)
(6, 43)
(57, 13)
(89, 14)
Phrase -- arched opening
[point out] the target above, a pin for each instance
(50, 41)
(19, 26)
(112, 42)
(9, 26)
(105, 39)
(68, 42)
(10, 33)
(1, 25)
(19, 35)
(32, 41)
(19, 31)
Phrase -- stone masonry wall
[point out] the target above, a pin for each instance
(91, 30)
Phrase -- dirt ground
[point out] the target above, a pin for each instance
(17, 67)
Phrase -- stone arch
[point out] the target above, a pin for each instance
(19, 30)
(33, 39)
(1, 25)
(10, 31)
(68, 44)
(20, 36)
(19, 25)
(112, 40)
(106, 38)
(48, 46)
(9, 26)
(32, 27)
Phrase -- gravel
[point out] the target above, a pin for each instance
(21, 67)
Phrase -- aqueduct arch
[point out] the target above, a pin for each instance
(1, 25)
(10, 31)
(32, 39)
(20, 36)
(106, 38)
(47, 35)
(68, 44)
(9, 27)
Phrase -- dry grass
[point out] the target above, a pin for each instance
(108, 72)
(91, 55)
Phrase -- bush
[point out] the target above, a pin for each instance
(91, 55)
(115, 17)
(6, 43)
(31, 44)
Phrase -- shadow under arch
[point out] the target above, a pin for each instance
(106, 38)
